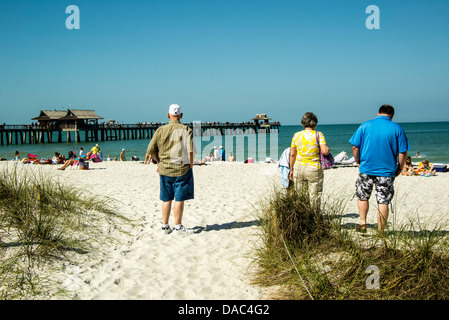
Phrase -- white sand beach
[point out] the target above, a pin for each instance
(216, 261)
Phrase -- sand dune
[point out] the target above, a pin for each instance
(216, 261)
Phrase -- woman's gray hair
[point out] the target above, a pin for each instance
(309, 119)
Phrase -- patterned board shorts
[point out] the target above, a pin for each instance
(384, 188)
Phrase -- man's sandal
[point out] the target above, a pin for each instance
(361, 228)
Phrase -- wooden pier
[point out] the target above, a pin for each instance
(35, 134)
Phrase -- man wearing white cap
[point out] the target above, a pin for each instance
(172, 148)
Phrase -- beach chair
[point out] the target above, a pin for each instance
(346, 163)
(95, 158)
(32, 158)
(440, 167)
(83, 164)
(340, 157)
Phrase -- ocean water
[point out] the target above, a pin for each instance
(428, 138)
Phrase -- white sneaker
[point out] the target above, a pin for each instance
(183, 230)
(166, 230)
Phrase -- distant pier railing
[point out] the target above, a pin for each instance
(33, 134)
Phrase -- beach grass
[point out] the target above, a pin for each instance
(306, 253)
(42, 220)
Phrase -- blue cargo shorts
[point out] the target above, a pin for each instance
(177, 188)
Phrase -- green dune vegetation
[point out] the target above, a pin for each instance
(44, 224)
(306, 252)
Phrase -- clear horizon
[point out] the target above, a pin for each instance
(225, 61)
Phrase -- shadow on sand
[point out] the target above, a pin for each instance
(226, 226)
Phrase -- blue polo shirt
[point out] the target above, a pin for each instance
(380, 141)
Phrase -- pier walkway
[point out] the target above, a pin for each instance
(33, 134)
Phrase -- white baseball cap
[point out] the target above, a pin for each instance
(174, 110)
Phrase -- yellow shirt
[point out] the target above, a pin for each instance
(94, 150)
(306, 146)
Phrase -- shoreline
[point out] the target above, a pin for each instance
(216, 262)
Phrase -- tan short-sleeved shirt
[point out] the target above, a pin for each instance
(172, 143)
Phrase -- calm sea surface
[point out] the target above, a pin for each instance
(428, 138)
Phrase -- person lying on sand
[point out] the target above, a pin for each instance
(72, 162)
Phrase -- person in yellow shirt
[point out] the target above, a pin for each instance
(305, 163)
(95, 149)
(92, 151)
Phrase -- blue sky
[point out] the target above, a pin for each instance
(225, 60)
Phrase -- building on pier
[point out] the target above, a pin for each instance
(265, 121)
(49, 118)
(69, 120)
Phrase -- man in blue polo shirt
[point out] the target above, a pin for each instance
(380, 150)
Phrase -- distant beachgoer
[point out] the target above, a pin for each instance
(92, 151)
(305, 162)
(100, 154)
(380, 159)
(231, 157)
(16, 156)
(199, 162)
(79, 160)
(417, 155)
(216, 154)
(81, 153)
(56, 158)
(408, 169)
(208, 158)
(67, 163)
(122, 155)
(147, 158)
(222, 154)
(426, 169)
(109, 158)
(172, 148)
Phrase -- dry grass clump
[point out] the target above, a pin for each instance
(41, 220)
(307, 253)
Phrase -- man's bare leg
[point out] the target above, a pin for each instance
(166, 208)
(363, 207)
(178, 210)
(382, 216)
(67, 163)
